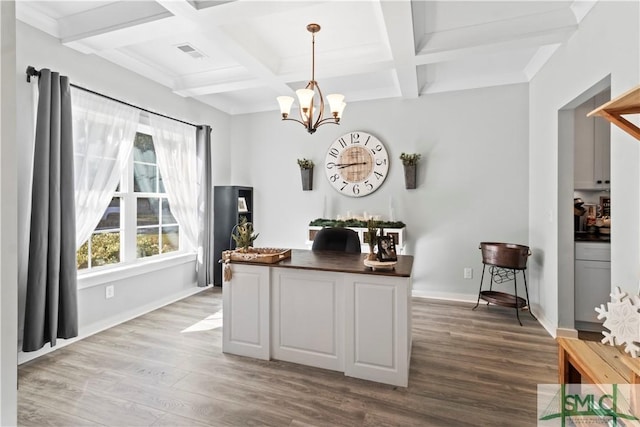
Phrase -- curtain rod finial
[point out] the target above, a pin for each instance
(32, 72)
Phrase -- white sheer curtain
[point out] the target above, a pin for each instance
(103, 133)
(175, 145)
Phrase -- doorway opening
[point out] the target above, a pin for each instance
(583, 252)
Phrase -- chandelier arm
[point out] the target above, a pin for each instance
(296, 120)
(327, 121)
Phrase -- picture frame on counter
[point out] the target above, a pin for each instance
(386, 249)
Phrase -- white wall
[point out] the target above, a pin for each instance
(135, 294)
(607, 43)
(472, 179)
(8, 219)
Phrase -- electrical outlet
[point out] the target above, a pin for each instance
(109, 291)
(468, 273)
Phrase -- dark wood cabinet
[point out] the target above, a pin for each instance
(230, 205)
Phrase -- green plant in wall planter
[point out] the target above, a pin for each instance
(306, 173)
(410, 163)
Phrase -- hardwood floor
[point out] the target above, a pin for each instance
(467, 368)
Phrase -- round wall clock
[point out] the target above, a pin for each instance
(356, 164)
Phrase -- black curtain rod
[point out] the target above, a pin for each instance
(32, 72)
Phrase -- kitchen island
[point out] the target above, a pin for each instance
(322, 309)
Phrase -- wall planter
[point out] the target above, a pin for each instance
(306, 174)
(410, 172)
(410, 163)
(307, 179)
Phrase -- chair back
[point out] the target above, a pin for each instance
(336, 239)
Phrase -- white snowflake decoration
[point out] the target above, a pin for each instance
(622, 320)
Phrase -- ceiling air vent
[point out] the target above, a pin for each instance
(190, 50)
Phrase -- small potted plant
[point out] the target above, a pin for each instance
(244, 236)
(410, 162)
(306, 172)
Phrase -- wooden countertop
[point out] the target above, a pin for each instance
(340, 262)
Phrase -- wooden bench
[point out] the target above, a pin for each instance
(592, 362)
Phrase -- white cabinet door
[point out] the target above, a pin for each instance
(602, 138)
(308, 317)
(378, 328)
(245, 312)
(592, 288)
(593, 251)
(592, 150)
(584, 148)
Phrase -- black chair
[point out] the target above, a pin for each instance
(336, 239)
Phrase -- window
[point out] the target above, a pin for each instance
(138, 222)
(157, 230)
(103, 247)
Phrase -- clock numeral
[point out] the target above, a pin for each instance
(345, 184)
(334, 177)
(368, 185)
(342, 142)
(355, 138)
(367, 141)
(330, 165)
(356, 189)
(380, 162)
(378, 175)
(334, 152)
(377, 149)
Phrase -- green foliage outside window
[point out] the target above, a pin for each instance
(105, 249)
(149, 244)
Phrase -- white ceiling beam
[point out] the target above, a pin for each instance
(474, 83)
(150, 71)
(542, 55)
(398, 20)
(581, 8)
(239, 12)
(25, 12)
(109, 18)
(216, 81)
(128, 36)
(459, 50)
(488, 32)
(250, 60)
(551, 27)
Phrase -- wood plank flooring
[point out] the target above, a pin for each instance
(475, 368)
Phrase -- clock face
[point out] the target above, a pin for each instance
(356, 164)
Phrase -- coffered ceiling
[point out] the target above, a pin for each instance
(239, 55)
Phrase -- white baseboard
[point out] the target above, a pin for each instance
(445, 296)
(551, 330)
(94, 328)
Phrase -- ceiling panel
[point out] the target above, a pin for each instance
(367, 49)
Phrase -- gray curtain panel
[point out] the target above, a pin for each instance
(51, 300)
(205, 206)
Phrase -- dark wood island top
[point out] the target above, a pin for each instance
(340, 262)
